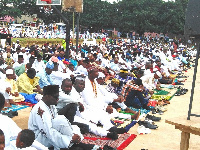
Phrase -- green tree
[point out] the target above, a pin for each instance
(10, 8)
(127, 15)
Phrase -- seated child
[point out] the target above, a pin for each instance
(2, 140)
(25, 139)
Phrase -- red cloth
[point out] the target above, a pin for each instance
(66, 62)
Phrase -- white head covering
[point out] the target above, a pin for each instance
(159, 74)
(9, 71)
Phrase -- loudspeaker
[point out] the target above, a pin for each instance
(192, 19)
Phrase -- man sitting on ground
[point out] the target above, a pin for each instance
(44, 75)
(40, 122)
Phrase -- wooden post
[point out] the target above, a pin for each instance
(184, 145)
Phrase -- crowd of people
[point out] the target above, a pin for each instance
(47, 32)
(82, 93)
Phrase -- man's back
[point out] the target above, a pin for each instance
(41, 125)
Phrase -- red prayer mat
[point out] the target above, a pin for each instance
(122, 142)
(25, 103)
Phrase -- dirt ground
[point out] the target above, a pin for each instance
(166, 137)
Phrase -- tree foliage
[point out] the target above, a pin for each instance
(127, 15)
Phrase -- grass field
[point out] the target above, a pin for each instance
(30, 41)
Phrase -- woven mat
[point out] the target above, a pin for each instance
(14, 108)
(164, 94)
(122, 142)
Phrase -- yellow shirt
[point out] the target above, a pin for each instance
(26, 85)
(13, 85)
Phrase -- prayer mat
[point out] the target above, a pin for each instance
(14, 108)
(169, 86)
(164, 94)
(123, 123)
(122, 142)
(25, 103)
(142, 111)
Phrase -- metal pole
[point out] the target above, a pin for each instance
(77, 32)
(193, 83)
(73, 31)
(67, 39)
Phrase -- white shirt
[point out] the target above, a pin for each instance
(58, 77)
(43, 127)
(10, 129)
(64, 99)
(38, 65)
(148, 81)
(3, 88)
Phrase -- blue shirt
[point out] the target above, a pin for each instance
(45, 79)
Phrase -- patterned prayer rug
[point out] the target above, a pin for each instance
(122, 142)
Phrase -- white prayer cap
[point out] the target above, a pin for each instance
(9, 71)
(80, 77)
(159, 74)
(101, 75)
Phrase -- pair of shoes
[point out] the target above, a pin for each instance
(11, 114)
(142, 130)
(177, 93)
(166, 101)
(178, 83)
(154, 111)
(183, 91)
(153, 118)
(106, 147)
(147, 124)
(160, 112)
(117, 130)
(162, 108)
(162, 103)
(112, 135)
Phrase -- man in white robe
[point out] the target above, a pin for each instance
(94, 103)
(70, 96)
(40, 122)
(11, 130)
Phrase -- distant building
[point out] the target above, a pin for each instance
(6, 19)
(27, 18)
